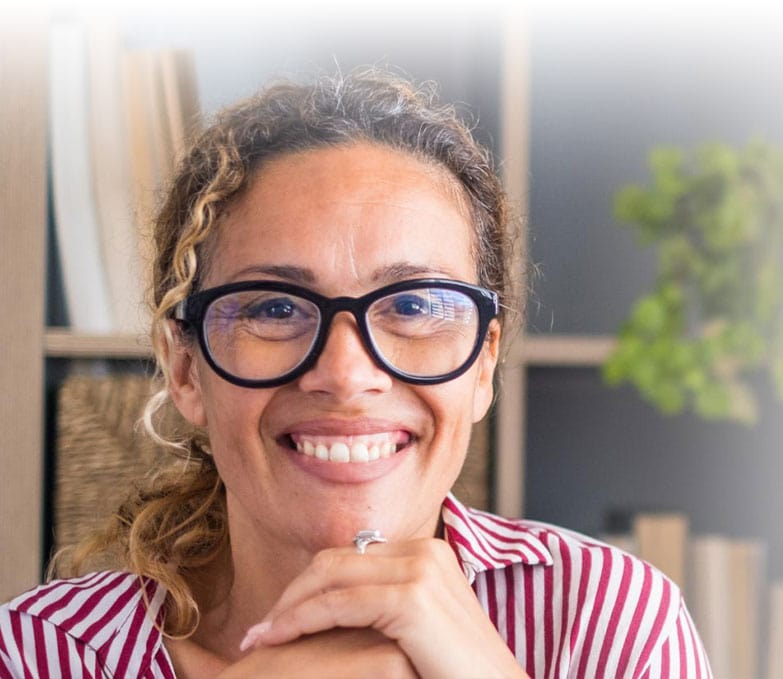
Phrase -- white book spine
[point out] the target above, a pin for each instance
(112, 179)
(76, 224)
(709, 600)
(775, 639)
(747, 560)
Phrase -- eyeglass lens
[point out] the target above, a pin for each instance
(262, 335)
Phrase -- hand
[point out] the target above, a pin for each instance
(413, 593)
(335, 654)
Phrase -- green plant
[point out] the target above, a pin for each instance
(715, 316)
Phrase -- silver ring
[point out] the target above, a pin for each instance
(367, 537)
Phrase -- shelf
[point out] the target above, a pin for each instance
(533, 350)
(62, 343)
(564, 350)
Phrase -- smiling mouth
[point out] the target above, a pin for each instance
(350, 449)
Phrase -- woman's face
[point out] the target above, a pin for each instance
(341, 221)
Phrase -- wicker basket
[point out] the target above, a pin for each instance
(100, 450)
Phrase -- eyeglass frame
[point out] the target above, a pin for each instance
(192, 311)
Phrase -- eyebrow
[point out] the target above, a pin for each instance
(402, 270)
(295, 274)
(302, 275)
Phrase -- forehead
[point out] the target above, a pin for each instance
(366, 169)
(346, 211)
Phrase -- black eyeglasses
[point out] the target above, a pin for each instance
(266, 333)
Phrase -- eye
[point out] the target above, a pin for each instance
(274, 309)
(411, 305)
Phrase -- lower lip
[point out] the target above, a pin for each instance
(348, 472)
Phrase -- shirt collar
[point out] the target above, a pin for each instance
(483, 541)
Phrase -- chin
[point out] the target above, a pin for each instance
(356, 511)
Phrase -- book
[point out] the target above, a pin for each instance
(180, 97)
(708, 578)
(726, 582)
(775, 631)
(113, 191)
(162, 112)
(747, 577)
(157, 116)
(119, 119)
(660, 539)
(141, 107)
(76, 225)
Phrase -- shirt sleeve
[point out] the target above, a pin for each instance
(32, 647)
(681, 655)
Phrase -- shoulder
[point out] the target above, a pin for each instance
(105, 620)
(489, 541)
(601, 609)
(616, 584)
(566, 552)
(594, 574)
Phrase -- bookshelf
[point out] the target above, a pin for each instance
(62, 343)
(22, 249)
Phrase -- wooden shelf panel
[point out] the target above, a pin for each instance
(533, 350)
(562, 350)
(62, 343)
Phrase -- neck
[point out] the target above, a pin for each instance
(245, 586)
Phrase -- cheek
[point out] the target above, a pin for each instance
(233, 415)
(452, 407)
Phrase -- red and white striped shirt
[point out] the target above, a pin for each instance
(571, 607)
(567, 606)
(94, 626)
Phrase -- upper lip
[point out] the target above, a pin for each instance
(341, 427)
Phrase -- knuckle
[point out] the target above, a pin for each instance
(323, 562)
(419, 571)
(415, 596)
(424, 570)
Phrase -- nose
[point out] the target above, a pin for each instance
(345, 369)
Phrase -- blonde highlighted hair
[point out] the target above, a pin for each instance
(174, 528)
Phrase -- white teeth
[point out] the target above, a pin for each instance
(359, 453)
(339, 452)
(347, 451)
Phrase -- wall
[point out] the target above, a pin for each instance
(607, 83)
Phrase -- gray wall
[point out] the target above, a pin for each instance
(606, 86)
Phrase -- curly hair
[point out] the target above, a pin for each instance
(175, 529)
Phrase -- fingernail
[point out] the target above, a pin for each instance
(254, 634)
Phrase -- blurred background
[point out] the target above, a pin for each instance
(603, 84)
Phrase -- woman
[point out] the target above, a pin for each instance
(331, 284)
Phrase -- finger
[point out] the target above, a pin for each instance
(375, 606)
(421, 627)
(342, 567)
(390, 594)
